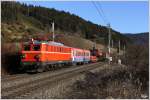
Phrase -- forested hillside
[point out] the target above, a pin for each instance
(139, 38)
(21, 21)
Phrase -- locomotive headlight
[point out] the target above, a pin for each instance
(23, 56)
(37, 57)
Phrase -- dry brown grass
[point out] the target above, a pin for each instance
(122, 83)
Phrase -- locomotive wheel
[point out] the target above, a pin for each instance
(41, 69)
(63, 65)
(48, 68)
(60, 65)
(54, 66)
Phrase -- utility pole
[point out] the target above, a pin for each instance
(112, 45)
(119, 60)
(124, 49)
(119, 47)
(53, 30)
(124, 54)
(109, 39)
(28, 12)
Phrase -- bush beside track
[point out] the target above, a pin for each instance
(120, 83)
(10, 58)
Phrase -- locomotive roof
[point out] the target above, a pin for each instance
(55, 43)
(49, 43)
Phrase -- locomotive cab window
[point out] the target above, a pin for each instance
(26, 47)
(36, 47)
(46, 47)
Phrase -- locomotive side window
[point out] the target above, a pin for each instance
(59, 49)
(26, 47)
(47, 47)
(36, 47)
(52, 49)
(65, 50)
(56, 48)
(62, 50)
(68, 50)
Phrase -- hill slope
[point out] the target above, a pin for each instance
(21, 21)
(139, 38)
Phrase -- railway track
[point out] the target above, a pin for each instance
(16, 90)
(13, 77)
(12, 80)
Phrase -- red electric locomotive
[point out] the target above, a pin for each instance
(38, 55)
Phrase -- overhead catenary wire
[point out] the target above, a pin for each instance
(100, 7)
(99, 12)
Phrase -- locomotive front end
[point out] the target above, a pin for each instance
(31, 56)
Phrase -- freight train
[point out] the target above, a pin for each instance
(39, 56)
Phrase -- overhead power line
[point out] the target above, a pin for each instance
(99, 12)
(103, 12)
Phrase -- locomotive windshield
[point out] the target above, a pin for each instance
(26, 47)
(36, 47)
